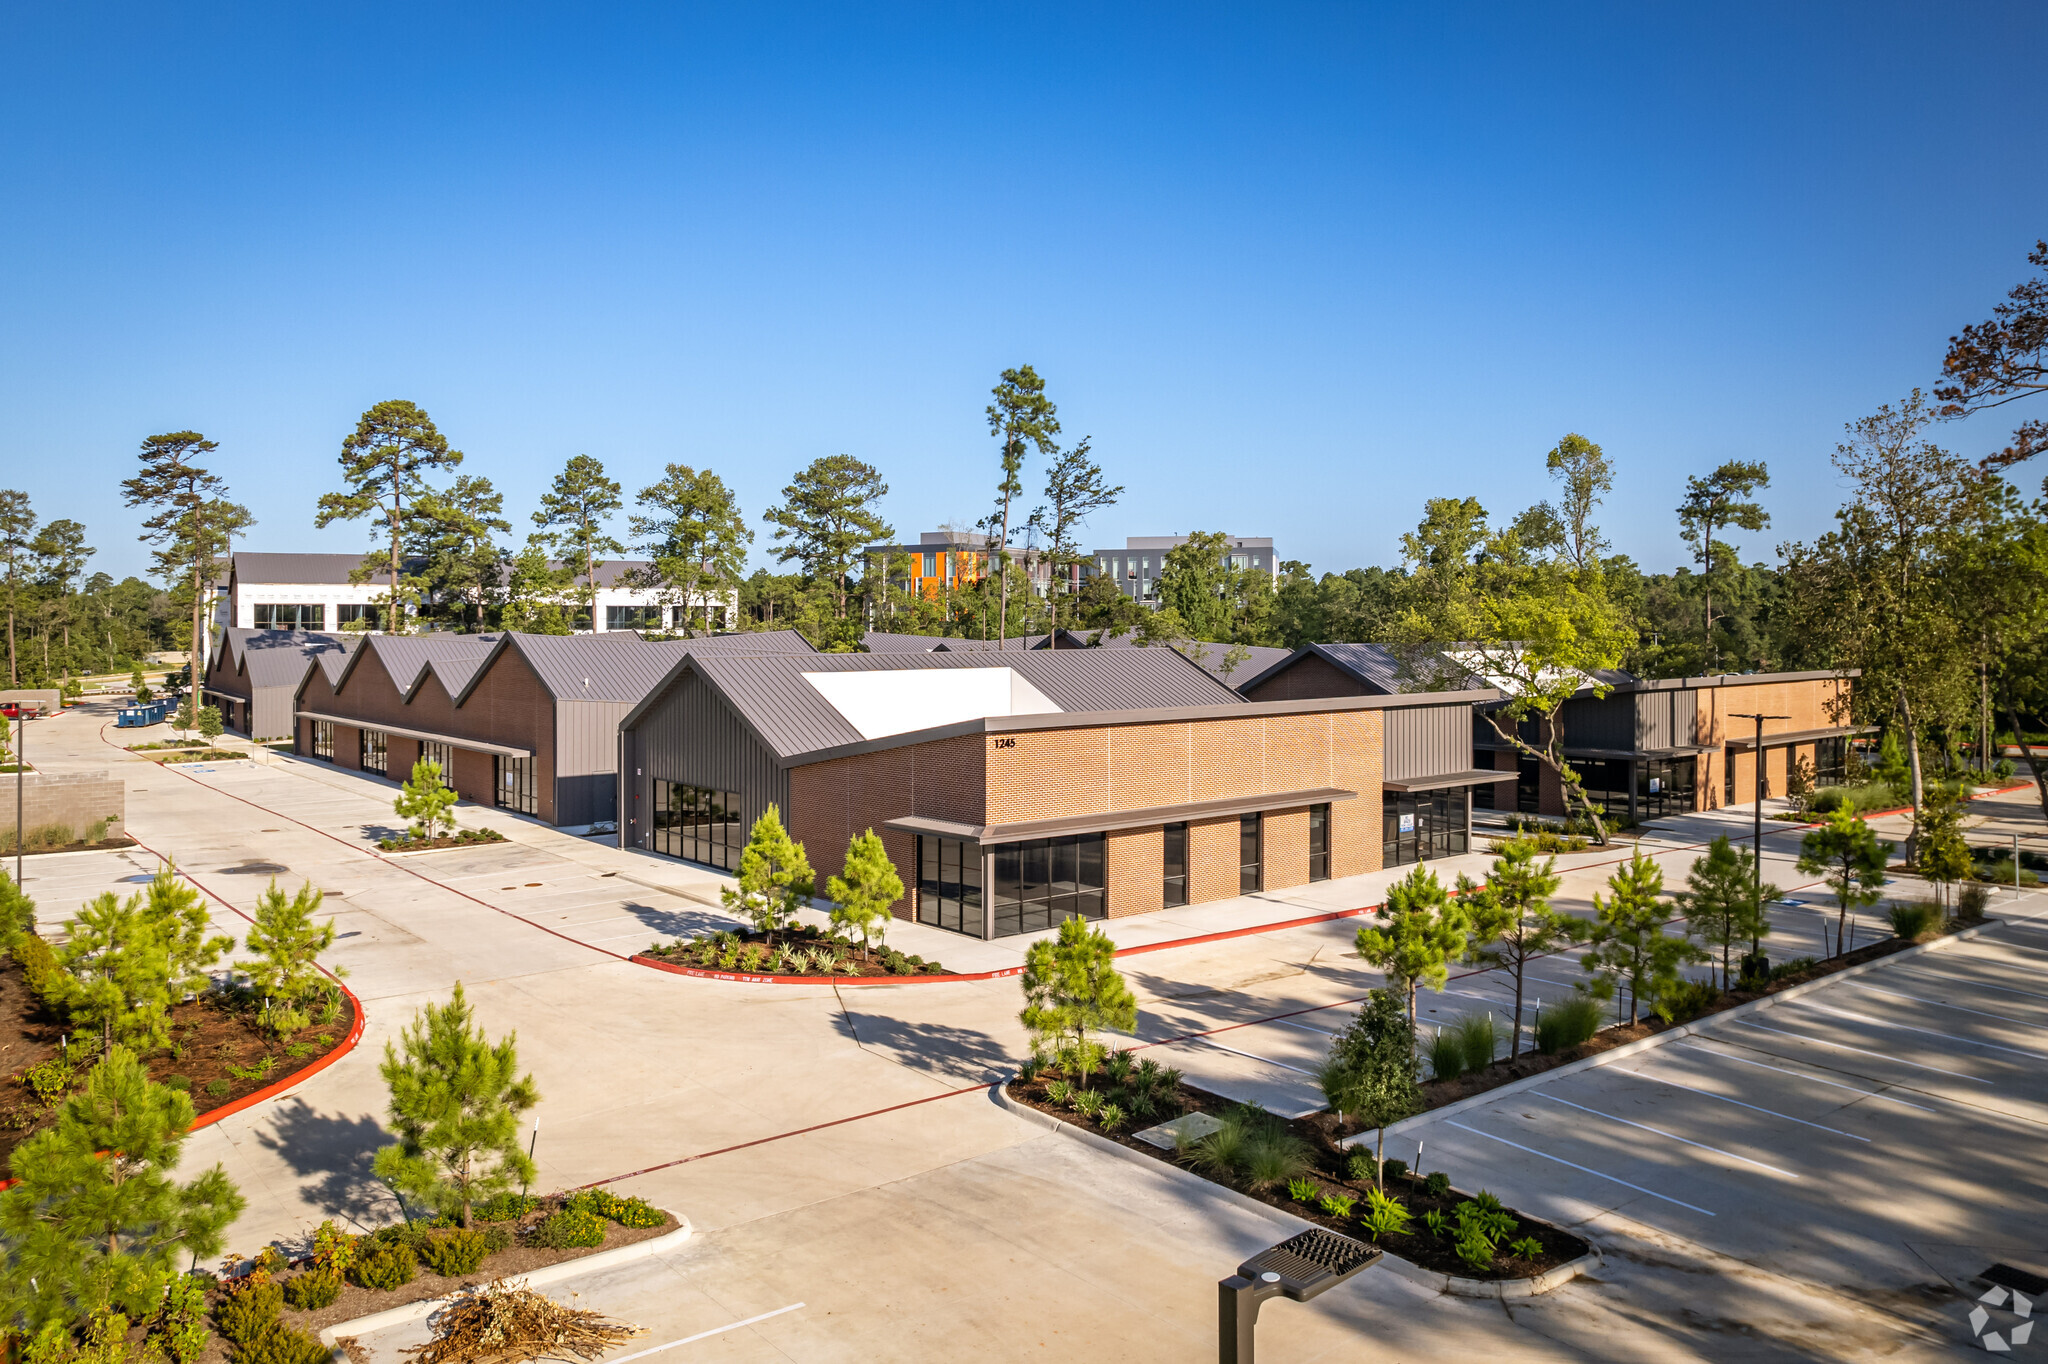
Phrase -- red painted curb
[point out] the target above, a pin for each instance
(745, 978)
(271, 1091)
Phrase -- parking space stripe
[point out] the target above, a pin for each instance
(1973, 984)
(1576, 1166)
(706, 1335)
(1304, 1027)
(1251, 1056)
(1931, 1032)
(1687, 1141)
(1660, 1080)
(1801, 1075)
(1872, 989)
(1864, 1051)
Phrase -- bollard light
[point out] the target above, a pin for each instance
(1299, 1268)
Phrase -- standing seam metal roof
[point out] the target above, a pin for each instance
(279, 658)
(792, 717)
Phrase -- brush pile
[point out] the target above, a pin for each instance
(508, 1323)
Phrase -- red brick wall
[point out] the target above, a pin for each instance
(831, 802)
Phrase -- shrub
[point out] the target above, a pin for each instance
(454, 1252)
(38, 964)
(387, 1267)
(627, 1212)
(1302, 1189)
(180, 1325)
(1685, 1000)
(1087, 1102)
(1566, 1024)
(245, 1311)
(504, 1207)
(1059, 1092)
(1912, 922)
(1478, 1038)
(1358, 1167)
(569, 1229)
(1387, 1216)
(1338, 1204)
(1394, 1168)
(313, 1290)
(278, 1343)
(1475, 1250)
(1272, 1156)
(1446, 1057)
(1439, 1184)
(1434, 1220)
(1971, 901)
(216, 1088)
(497, 1236)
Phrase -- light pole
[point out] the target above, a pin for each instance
(20, 766)
(1757, 755)
(1301, 1267)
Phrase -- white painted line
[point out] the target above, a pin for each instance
(1972, 984)
(1449, 1122)
(1863, 1051)
(1660, 1080)
(706, 1335)
(1643, 1126)
(1250, 1056)
(1941, 1005)
(1931, 1032)
(1303, 1027)
(1801, 1075)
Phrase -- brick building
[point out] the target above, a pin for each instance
(1014, 794)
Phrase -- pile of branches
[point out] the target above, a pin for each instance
(505, 1323)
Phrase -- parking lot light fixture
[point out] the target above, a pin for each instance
(1300, 1268)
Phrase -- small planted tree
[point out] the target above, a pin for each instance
(1629, 942)
(287, 945)
(425, 801)
(1846, 852)
(210, 726)
(1944, 854)
(1512, 920)
(775, 878)
(96, 1223)
(862, 893)
(126, 962)
(1722, 901)
(1072, 990)
(1425, 932)
(1370, 1074)
(456, 1099)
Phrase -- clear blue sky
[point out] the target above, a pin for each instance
(1294, 268)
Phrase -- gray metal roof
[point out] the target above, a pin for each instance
(617, 665)
(406, 657)
(279, 658)
(793, 718)
(883, 642)
(1258, 658)
(252, 567)
(1379, 668)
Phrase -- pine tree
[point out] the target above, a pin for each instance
(1425, 933)
(455, 1106)
(861, 895)
(1512, 920)
(288, 945)
(127, 961)
(1847, 853)
(1628, 938)
(1072, 989)
(775, 878)
(17, 911)
(87, 1232)
(384, 464)
(1722, 904)
(572, 516)
(1371, 1070)
(425, 800)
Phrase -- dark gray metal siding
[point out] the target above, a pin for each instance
(586, 760)
(1600, 722)
(1426, 741)
(690, 735)
(1666, 719)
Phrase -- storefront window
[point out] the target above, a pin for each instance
(323, 739)
(1421, 825)
(1176, 865)
(949, 884)
(1318, 842)
(1831, 761)
(442, 756)
(698, 824)
(1251, 853)
(513, 786)
(1046, 881)
(1666, 786)
(375, 751)
(1605, 782)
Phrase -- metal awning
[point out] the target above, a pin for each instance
(988, 834)
(452, 740)
(1639, 754)
(1476, 776)
(1798, 736)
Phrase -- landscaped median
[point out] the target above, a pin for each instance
(1469, 1245)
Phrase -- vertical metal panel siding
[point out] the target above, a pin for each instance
(690, 736)
(1666, 719)
(1423, 741)
(1600, 722)
(271, 712)
(587, 736)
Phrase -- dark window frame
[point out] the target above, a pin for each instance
(1040, 883)
(322, 740)
(514, 785)
(949, 884)
(1318, 843)
(1251, 834)
(1174, 854)
(373, 751)
(699, 824)
(443, 756)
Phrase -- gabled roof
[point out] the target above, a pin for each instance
(772, 696)
(250, 567)
(279, 658)
(1379, 668)
(883, 642)
(405, 657)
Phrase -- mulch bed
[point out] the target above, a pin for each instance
(211, 1037)
(755, 963)
(1330, 1169)
(196, 755)
(117, 841)
(468, 838)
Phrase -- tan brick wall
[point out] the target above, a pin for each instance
(830, 802)
(1820, 703)
(1137, 871)
(76, 800)
(1212, 860)
(1286, 849)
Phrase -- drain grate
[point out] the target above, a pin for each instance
(2005, 1276)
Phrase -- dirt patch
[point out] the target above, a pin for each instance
(210, 1043)
(1330, 1173)
(117, 841)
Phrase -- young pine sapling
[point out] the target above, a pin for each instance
(862, 893)
(775, 878)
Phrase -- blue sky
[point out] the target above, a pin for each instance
(1294, 268)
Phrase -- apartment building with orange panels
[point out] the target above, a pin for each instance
(1014, 794)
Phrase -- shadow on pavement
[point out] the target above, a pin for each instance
(681, 923)
(337, 1152)
(934, 1048)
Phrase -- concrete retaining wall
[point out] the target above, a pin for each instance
(49, 698)
(74, 799)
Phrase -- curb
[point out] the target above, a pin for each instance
(1450, 1284)
(1642, 1044)
(376, 851)
(539, 1278)
(745, 978)
(271, 1091)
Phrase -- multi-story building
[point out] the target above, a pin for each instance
(943, 560)
(313, 592)
(1135, 567)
